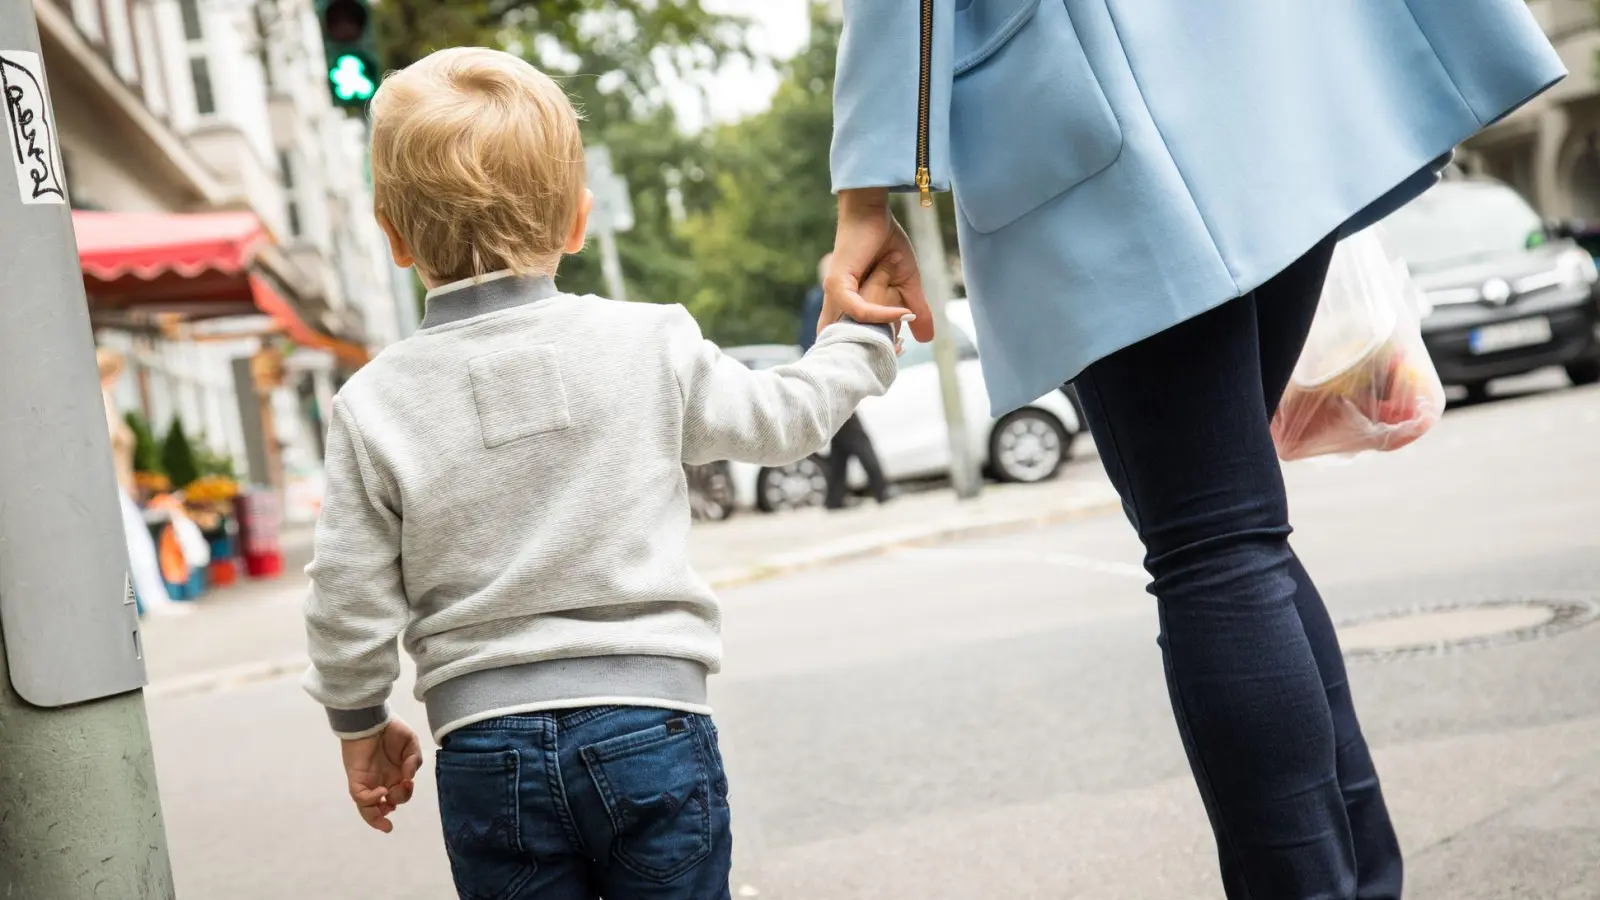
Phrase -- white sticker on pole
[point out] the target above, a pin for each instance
(31, 129)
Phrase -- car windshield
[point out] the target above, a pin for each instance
(1457, 222)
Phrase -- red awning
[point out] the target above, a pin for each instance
(147, 245)
(191, 264)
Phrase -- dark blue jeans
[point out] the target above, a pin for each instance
(1253, 666)
(620, 802)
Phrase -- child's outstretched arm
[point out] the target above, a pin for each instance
(775, 416)
(354, 613)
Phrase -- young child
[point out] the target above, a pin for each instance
(506, 495)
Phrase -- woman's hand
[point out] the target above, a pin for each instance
(870, 241)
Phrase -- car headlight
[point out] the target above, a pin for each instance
(1577, 269)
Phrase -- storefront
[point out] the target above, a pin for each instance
(216, 327)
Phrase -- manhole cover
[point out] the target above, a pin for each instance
(1434, 630)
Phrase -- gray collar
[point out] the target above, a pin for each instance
(472, 300)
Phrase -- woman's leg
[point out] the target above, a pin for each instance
(1283, 321)
(1180, 420)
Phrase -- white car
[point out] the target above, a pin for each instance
(907, 427)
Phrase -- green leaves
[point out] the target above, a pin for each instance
(146, 452)
(178, 456)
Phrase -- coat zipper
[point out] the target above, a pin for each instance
(924, 102)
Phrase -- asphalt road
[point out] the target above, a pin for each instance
(987, 719)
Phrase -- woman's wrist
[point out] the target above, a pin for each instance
(863, 201)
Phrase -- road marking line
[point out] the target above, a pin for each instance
(1067, 560)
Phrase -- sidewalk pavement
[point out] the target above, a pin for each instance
(254, 631)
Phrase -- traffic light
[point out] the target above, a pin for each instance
(352, 56)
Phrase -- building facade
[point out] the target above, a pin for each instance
(1550, 149)
(186, 106)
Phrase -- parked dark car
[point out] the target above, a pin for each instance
(1508, 295)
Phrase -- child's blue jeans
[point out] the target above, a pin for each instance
(620, 802)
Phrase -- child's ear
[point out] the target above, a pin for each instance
(397, 244)
(580, 223)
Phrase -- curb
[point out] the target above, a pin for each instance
(856, 548)
(887, 541)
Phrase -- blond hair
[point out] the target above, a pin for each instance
(477, 163)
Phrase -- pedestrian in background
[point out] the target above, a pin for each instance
(1148, 195)
(852, 439)
(143, 566)
(506, 491)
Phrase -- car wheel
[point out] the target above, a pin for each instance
(1477, 392)
(1028, 446)
(710, 492)
(1584, 372)
(795, 486)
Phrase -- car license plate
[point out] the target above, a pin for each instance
(1510, 335)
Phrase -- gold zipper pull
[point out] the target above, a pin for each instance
(924, 182)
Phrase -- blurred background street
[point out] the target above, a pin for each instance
(994, 723)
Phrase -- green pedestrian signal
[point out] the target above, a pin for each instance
(352, 55)
(351, 80)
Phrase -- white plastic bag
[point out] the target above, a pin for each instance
(1364, 380)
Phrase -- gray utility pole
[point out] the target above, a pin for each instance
(928, 241)
(612, 214)
(79, 814)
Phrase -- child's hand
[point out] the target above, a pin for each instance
(880, 292)
(380, 770)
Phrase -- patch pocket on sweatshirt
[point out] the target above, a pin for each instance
(519, 394)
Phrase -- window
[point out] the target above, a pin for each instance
(262, 56)
(119, 35)
(291, 208)
(1460, 221)
(204, 102)
(153, 73)
(191, 18)
(86, 13)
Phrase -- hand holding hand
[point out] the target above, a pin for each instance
(878, 292)
(870, 241)
(381, 769)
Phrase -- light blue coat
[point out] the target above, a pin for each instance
(1120, 166)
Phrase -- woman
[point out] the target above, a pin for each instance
(1176, 174)
(148, 586)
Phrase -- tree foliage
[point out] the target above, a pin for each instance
(146, 452)
(178, 456)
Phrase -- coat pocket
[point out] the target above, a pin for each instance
(1028, 119)
(519, 394)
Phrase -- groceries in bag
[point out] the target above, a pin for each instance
(1364, 381)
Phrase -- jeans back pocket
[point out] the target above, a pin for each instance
(656, 786)
(479, 808)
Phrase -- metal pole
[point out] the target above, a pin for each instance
(79, 813)
(611, 265)
(928, 241)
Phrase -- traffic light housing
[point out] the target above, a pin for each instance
(349, 42)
